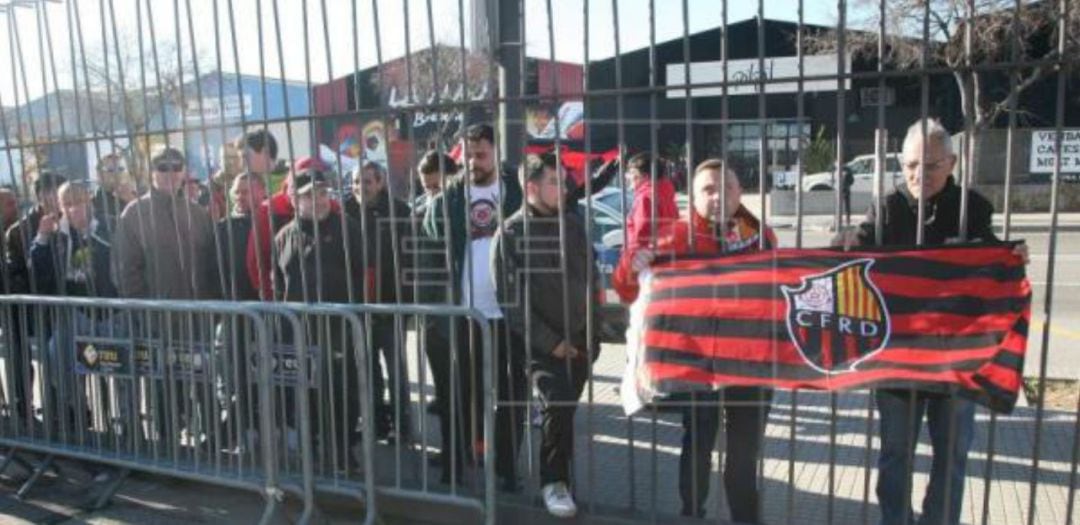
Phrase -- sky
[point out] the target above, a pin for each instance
(25, 45)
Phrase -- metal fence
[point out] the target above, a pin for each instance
(333, 191)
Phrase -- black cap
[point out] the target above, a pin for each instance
(307, 180)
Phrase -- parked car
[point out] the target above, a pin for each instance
(862, 170)
(607, 226)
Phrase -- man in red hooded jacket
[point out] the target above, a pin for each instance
(718, 224)
(650, 190)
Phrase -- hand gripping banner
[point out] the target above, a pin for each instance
(949, 319)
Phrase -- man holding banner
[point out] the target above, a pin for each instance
(717, 224)
(951, 419)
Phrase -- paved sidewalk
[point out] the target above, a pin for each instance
(628, 468)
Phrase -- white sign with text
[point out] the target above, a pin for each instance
(751, 70)
(1043, 150)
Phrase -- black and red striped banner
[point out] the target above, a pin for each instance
(951, 318)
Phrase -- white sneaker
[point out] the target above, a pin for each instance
(558, 500)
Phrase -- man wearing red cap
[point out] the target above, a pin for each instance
(323, 258)
(271, 216)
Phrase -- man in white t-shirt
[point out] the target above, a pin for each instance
(459, 226)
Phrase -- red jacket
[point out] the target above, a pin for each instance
(259, 242)
(675, 240)
(639, 223)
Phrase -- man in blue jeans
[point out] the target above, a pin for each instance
(950, 419)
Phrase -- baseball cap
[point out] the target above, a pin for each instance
(309, 180)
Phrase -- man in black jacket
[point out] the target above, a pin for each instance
(387, 219)
(16, 257)
(928, 166)
(246, 193)
(19, 235)
(321, 260)
(547, 305)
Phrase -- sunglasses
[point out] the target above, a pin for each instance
(169, 167)
(113, 170)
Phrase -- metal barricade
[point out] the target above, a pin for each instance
(809, 106)
(465, 403)
(318, 401)
(137, 385)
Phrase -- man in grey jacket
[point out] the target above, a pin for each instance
(162, 241)
(163, 249)
(546, 302)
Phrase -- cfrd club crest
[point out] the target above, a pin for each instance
(837, 318)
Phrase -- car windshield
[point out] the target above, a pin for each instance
(604, 220)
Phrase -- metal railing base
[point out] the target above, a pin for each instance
(110, 490)
(34, 477)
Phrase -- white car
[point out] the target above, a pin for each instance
(862, 169)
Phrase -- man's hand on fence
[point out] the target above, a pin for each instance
(565, 350)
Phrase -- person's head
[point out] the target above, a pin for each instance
(246, 193)
(259, 148)
(310, 189)
(45, 186)
(9, 206)
(110, 168)
(480, 150)
(716, 190)
(432, 168)
(125, 189)
(232, 163)
(368, 182)
(639, 169)
(939, 158)
(74, 198)
(540, 177)
(168, 170)
(193, 189)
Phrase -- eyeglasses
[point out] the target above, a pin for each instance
(169, 167)
(113, 170)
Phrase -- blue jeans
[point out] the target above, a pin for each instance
(951, 421)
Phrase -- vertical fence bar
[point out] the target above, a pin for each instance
(1062, 68)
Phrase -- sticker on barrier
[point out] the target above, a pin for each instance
(285, 365)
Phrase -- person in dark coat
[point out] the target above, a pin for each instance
(547, 304)
(246, 193)
(460, 246)
(18, 281)
(18, 236)
(321, 259)
(115, 190)
(928, 165)
(163, 249)
(234, 392)
(387, 219)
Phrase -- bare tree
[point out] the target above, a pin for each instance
(966, 36)
(135, 94)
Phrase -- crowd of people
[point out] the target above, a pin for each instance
(511, 246)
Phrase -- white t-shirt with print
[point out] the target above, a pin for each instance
(478, 287)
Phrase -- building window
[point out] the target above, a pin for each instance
(744, 146)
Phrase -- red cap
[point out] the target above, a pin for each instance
(303, 164)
